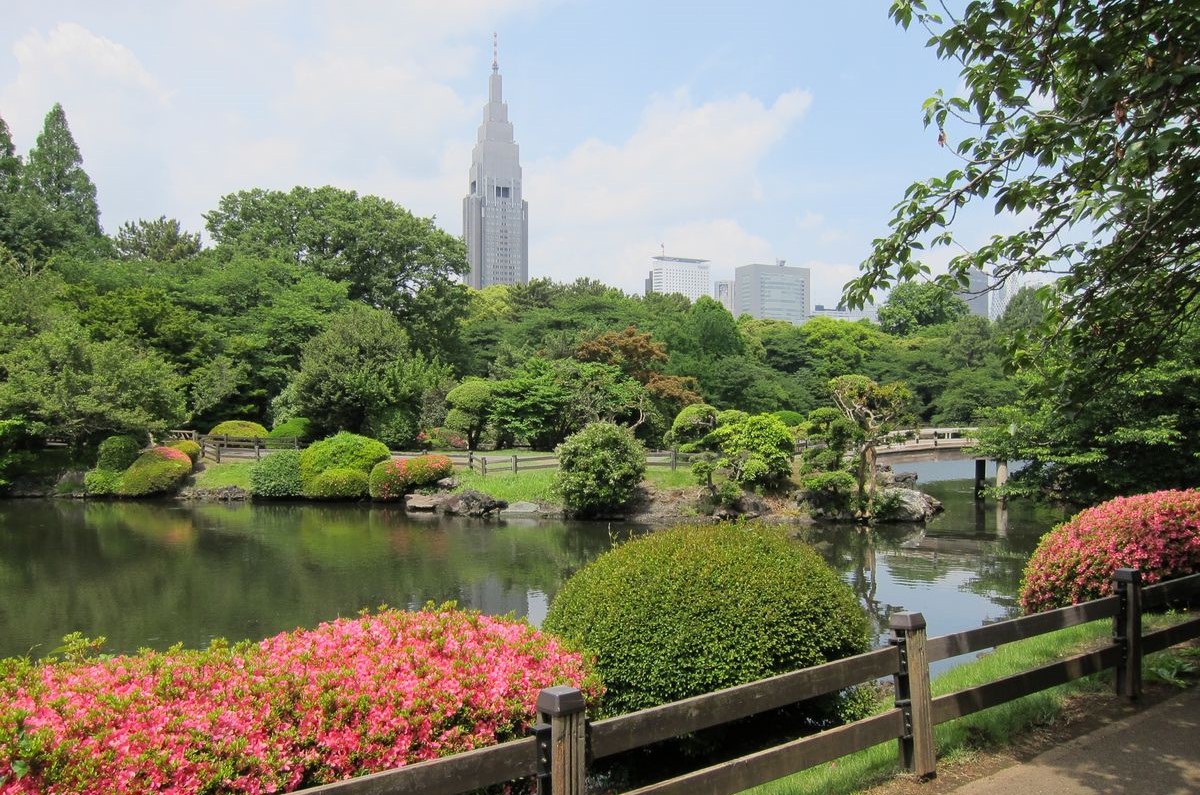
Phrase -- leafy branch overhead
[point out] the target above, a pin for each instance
(1080, 119)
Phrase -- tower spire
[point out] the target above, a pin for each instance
(495, 53)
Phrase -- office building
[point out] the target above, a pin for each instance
(723, 293)
(683, 275)
(869, 312)
(976, 292)
(495, 216)
(774, 291)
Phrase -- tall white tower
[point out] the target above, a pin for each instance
(495, 217)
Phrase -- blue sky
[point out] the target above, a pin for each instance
(773, 130)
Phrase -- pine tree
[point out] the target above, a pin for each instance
(54, 174)
(10, 163)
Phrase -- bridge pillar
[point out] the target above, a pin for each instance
(980, 477)
(1001, 472)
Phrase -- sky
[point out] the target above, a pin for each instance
(736, 133)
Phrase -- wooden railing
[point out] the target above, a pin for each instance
(558, 752)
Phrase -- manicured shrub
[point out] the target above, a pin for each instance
(294, 428)
(696, 608)
(350, 697)
(599, 468)
(756, 450)
(425, 470)
(116, 453)
(337, 484)
(158, 470)
(277, 476)
(101, 482)
(790, 418)
(189, 447)
(1158, 533)
(239, 428)
(731, 416)
(692, 424)
(389, 480)
(343, 451)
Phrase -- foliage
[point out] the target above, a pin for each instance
(876, 411)
(387, 257)
(789, 418)
(239, 428)
(277, 476)
(1157, 533)
(17, 436)
(1078, 119)
(342, 451)
(599, 469)
(156, 471)
(426, 470)
(696, 608)
(299, 428)
(161, 240)
(102, 482)
(190, 448)
(470, 407)
(757, 451)
(337, 484)
(116, 453)
(442, 438)
(692, 424)
(830, 492)
(912, 306)
(389, 480)
(350, 697)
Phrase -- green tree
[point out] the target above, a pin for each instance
(54, 175)
(877, 411)
(914, 305)
(1023, 316)
(1078, 118)
(470, 409)
(161, 240)
(387, 257)
(600, 468)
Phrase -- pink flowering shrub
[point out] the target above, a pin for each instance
(352, 696)
(1158, 533)
(391, 479)
(425, 470)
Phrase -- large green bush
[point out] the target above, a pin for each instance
(187, 446)
(277, 476)
(156, 471)
(239, 428)
(756, 450)
(691, 424)
(101, 482)
(116, 453)
(343, 451)
(599, 468)
(696, 608)
(1157, 533)
(337, 484)
(294, 428)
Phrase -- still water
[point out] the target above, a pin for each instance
(154, 574)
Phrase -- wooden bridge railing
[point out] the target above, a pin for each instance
(558, 752)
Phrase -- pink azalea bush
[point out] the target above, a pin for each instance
(391, 479)
(352, 696)
(1158, 533)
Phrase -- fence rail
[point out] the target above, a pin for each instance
(558, 752)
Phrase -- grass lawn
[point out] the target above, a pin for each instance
(537, 485)
(990, 728)
(231, 473)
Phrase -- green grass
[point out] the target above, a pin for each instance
(233, 473)
(667, 478)
(533, 486)
(990, 728)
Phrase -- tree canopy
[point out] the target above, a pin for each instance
(1081, 120)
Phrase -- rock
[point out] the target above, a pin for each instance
(423, 502)
(906, 505)
(523, 508)
(905, 479)
(471, 503)
(448, 484)
(222, 494)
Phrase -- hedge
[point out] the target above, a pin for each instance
(239, 428)
(156, 471)
(337, 484)
(350, 697)
(277, 476)
(116, 453)
(1157, 533)
(697, 608)
(188, 447)
(343, 451)
(294, 428)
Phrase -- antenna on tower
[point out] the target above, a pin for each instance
(495, 53)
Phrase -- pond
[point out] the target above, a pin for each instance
(154, 574)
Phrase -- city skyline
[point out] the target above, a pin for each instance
(785, 132)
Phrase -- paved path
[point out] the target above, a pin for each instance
(1153, 752)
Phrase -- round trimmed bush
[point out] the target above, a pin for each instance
(389, 480)
(337, 484)
(1158, 533)
(696, 608)
(790, 418)
(294, 428)
(239, 428)
(158, 470)
(277, 476)
(425, 470)
(190, 448)
(343, 451)
(101, 482)
(599, 468)
(116, 453)
(692, 424)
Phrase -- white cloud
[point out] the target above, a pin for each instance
(605, 207)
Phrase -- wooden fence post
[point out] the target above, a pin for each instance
(674, 458)
(470, 460)
(217, 445)
(562, 707)
(483, 465)
(256, 453)
(514, 464)
(913, 695)
(1127, 631)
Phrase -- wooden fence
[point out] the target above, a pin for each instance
(561, 746)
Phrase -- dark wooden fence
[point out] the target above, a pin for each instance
(563, 743)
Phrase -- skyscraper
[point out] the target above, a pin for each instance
(774, 291)
(682, 275)
(495, 217)
(976, 292)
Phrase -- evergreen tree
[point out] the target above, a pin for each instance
(10, 163)
(55, 177)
